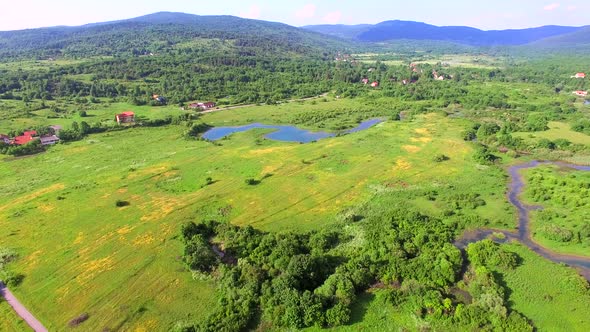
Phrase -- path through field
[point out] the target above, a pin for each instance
(20, 309)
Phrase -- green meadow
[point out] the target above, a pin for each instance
(553, 296)
(81, 253)
(105, 111)
(556, 130)
(563, 223)
(10, 322)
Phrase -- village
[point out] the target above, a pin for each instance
(51, 136)
(28, 136)
(51, 133)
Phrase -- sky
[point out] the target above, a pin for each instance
(488, 15)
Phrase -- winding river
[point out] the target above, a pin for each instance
(582, 264)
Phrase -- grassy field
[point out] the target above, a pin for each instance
(120, 265)
(563, 224)
(455, 60)
(555, 297)
(95, 113)
(10, 322)
(556, 130)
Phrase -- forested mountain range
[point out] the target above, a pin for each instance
(164, 32)
(396, 30)
(167, 32)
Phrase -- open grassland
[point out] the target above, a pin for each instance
(553, 296)
(455, 60)
(104, 111)
(556, 130)
(80, 253)
(564, 223)
(10, 322)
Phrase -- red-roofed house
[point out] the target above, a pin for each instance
(365, 81)
(125, 117)
(375, 84)
(579, 75)
(22, 140)
(581, 93)
(25, 138)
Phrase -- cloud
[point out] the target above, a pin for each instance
(571, 7)
(308, 11)
(253, 13)
(552, 6)
(333, 17)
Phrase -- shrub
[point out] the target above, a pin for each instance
(120, 203)
(440, 158)
(79, 320)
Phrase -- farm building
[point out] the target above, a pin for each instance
(579, 75)
(203, 106)
(49, 140)
(125, 117)
(365, 81)
(25, 138)
(56, 129)
(375, 84)
(581, 93)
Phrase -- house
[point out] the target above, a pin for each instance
(404, 82)
(203, 106)
(375, 84)
(22, 140)
(25, 138)
(49, 140)
(159, 99)
(4, 139)
(365, 81)
(579, 75)
(125, 117)
(581, 93)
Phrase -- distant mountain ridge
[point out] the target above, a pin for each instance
(163, 32)
(409, 30)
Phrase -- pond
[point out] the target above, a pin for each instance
(587, 102)
(516, 187)
(285, 133)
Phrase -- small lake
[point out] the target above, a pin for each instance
(587, 102)
(285, 133)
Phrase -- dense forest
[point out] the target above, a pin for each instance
(298, 280)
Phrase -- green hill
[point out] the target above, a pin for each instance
(165, 32)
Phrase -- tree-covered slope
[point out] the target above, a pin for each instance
(163, 32)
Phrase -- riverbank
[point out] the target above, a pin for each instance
(523, 235)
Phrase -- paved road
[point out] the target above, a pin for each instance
(20, 310)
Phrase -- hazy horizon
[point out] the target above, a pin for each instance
(502, 14)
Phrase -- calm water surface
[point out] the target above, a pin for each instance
(284, 133)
